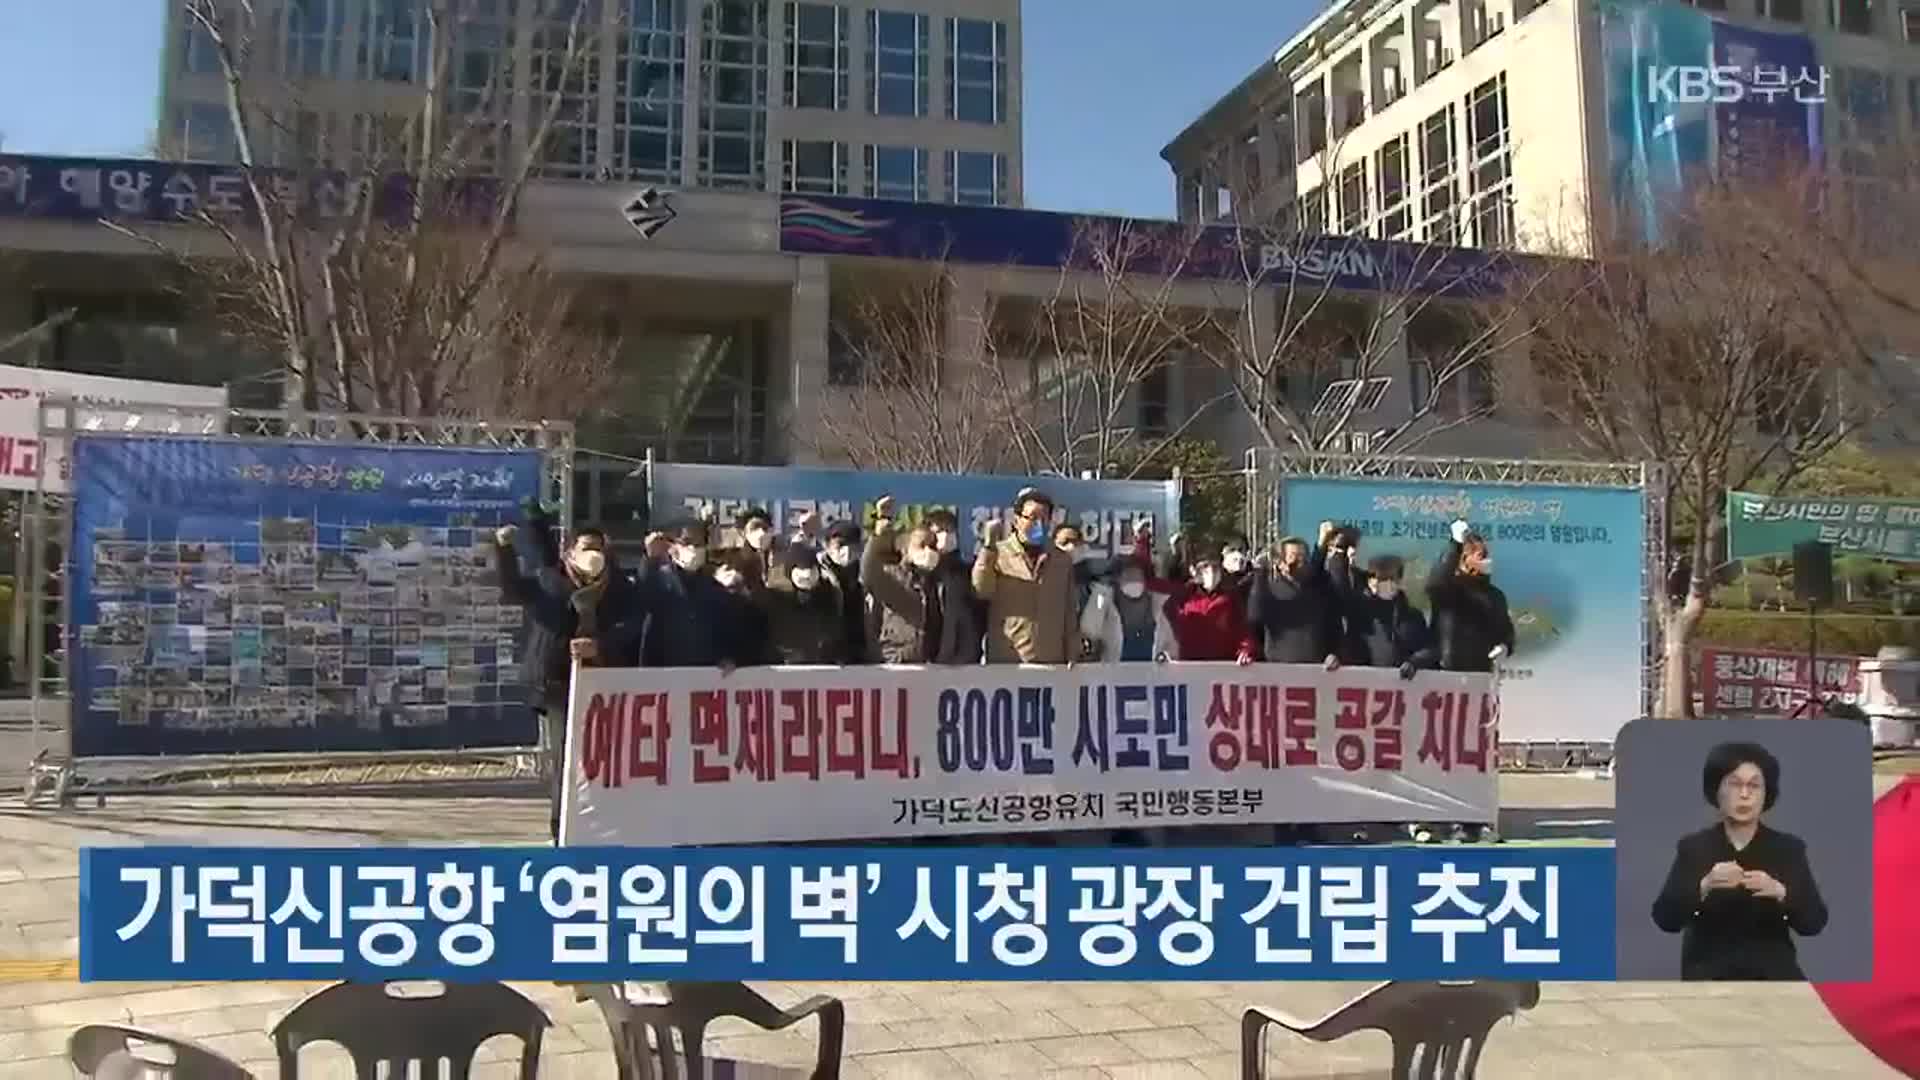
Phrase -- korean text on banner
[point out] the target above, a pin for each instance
(1105, 510)
(834, 914)
(240, 597)
(100, 404)
(1760, 525)
(1572, 561)
(1771, 683)
(691, 756)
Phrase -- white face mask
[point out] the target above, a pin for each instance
(727, 576)
(589, 563)
(1486, 565)
(948, 542)
(689, 558)
(925, 558)
(1209, 579)
(840, 556)
(759, 539)
(805, 579)
(1234, 561)
(1133, 590)
(1386, 590)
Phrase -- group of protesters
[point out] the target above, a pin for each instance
(1035, 592)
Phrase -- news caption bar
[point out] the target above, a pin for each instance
(822, 914)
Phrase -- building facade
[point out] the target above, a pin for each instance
(899, 99)
(1497, 123)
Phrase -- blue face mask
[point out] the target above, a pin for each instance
(1037, 533)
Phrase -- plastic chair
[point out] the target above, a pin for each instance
(1438, 1028)
(399, 1023)
(689, 1008)
(113, 1052)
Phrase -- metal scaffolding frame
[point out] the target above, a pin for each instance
(1268, 470)
(54, 773)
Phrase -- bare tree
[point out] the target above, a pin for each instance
(392, 287)
(1701, 355)
(902, 399)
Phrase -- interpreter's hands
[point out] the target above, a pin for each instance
(1460, 530)
(584, 649)
(1498, 652)
(1763, 885)
(883, 511)
(1409, 670)
(503, 536)
(1333, 663)
(1724, 875)
(1245, 659)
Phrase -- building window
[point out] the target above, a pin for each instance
(1466, 391)
(480, 44)
(1439, 191)
(977, 178)
(203, 133)
(314, 32)
(198, 54)
(898, 172)
(813, 167)
(897, 53)
(1313, 212)
(392, 45)
(1390, 167)
(819, 56)
(1312, 109)
(1154, 396)
(733, 114)
(650, 62)
(1792, 11)
(572, 149)
(1910, 24)
(1853, 16)
(977, 71)
(1492, 164)
(1353, 199)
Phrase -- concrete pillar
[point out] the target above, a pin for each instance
(691, 91)
(1393, 361)
(804, 343)
(966, 330)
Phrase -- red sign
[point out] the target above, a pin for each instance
(1771, 683)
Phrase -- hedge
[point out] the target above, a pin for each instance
(1856, 635)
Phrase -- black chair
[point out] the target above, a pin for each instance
(113, 1052)
(689, 1008)
(1438, 1028)
(400, 1023)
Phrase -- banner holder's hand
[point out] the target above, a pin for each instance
(1409, 669)
(1245, 659)
(1498, 652)
(1333, 663)
(1162, 658)
(584, 649)
(726, 668)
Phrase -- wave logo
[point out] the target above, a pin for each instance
(1315, 264)
(816, 225)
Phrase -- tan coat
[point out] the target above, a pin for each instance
(1030, 605)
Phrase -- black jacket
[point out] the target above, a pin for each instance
(1469, 615)
(804, 627)
(547, 596)
(693, 622)
(906, 599)
(1385, 633)
(853, 609)
(1294, 621)
(1732, 934)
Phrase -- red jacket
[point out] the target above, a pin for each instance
(1209, 625)
(1885, 1014)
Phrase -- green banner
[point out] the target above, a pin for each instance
(1773, 524)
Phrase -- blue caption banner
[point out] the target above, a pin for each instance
(824, 914)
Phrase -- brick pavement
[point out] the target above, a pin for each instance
(896, 1031)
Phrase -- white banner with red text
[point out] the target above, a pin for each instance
(695, 756)
(101, 403)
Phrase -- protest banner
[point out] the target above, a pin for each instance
(1105, 510)
(1571, 560)
(1760, 525)
(100, 404)
(694, 756)
(838, 914)
(1772, 683)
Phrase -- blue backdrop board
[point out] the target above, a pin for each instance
(1105, 510)
(232, 597)
(1571, 561)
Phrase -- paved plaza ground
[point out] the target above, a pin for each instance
(896, 1031)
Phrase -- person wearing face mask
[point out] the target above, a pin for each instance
(1072, 543)
(757, 539)
(1383, 628)
(1471, 623)
(1028, 586)
(1336, 561)
(1124, 619)
(838, 560)
(579, 607)
(692, 620)
(804, 614)
(923, 602)
(1207, 619)
(1294, 613)
(742, 623)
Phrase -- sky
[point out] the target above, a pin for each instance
(1107, 84)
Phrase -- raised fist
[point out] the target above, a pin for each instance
(504, 535)
(993, 531)
(1460, 530)
(808, 525)
(883, 510)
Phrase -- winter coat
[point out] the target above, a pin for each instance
(1470, 615)
(1104, 622)
(1296, 621)
(1031, 617)
(1386, 633)
(854, 631)
(693, 622)
(1209, 625)
(804, 627)
(904, 598)
(547, 595)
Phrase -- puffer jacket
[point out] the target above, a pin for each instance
(1031, 615)
(804, 627)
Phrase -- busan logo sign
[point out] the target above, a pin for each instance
(1725, 84)
(1317, 265)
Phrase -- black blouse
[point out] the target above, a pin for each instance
(1732, 934)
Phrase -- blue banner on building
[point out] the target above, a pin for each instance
(1571, 560)
(997, 236)
(827, 914)
(1105, 510)
(232, 596)
(130, 190)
